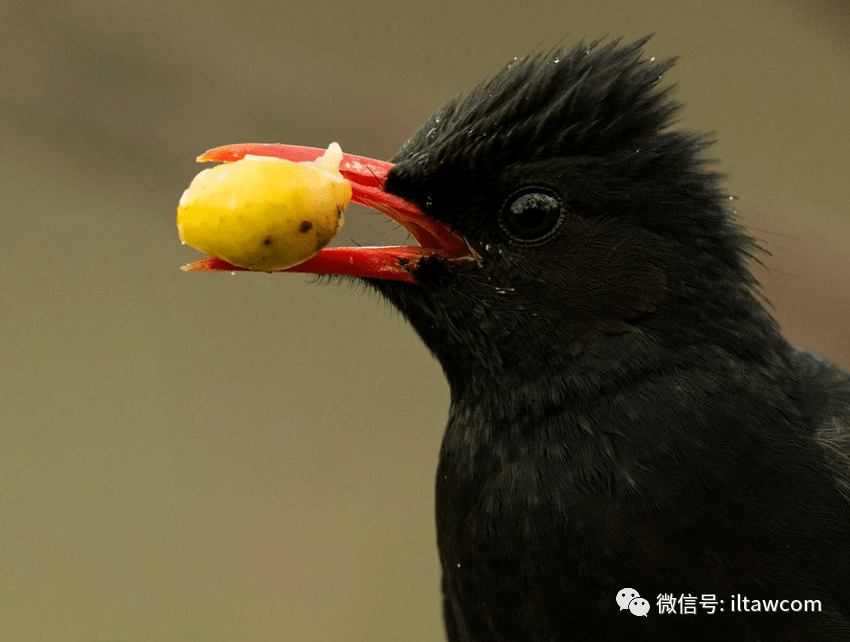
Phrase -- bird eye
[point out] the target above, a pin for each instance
(532, 215)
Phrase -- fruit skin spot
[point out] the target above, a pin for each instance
(306, 226)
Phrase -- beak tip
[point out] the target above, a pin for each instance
(211, 264)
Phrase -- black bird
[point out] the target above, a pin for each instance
(624, 410)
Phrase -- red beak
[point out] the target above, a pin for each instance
(367, 177)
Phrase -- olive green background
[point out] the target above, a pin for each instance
(212, 457)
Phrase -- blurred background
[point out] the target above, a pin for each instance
(207, 457)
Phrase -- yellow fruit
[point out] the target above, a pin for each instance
(264, 213)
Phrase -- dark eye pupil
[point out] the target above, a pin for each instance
(532, 216)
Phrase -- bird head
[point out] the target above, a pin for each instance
(562, 221)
